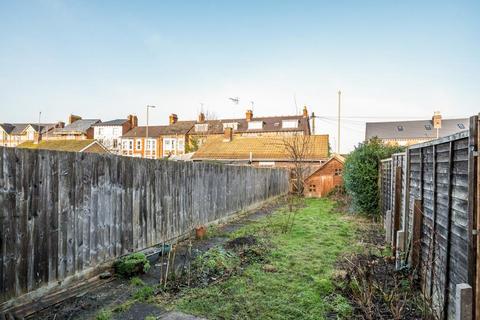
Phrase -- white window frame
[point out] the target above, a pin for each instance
(138, 144)
(289, 124)
(201, 127)
(255, 125)
(233, 125)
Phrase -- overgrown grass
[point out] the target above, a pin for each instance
(304, 259)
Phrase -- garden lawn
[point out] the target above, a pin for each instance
(304, 258)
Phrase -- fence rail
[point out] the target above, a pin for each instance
(437, 206)
(63, 213)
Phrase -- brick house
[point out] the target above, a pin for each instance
(109, 133)
(162, 142)
(325, 178)
(250, 126)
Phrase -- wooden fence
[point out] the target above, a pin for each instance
(63, 213)
(431, 193)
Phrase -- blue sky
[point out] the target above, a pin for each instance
(107, 59)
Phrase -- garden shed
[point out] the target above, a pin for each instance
(325, 178)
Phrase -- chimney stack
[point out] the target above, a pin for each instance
(133, 120)
(305, 112)
(201, 117)
(228, 135)
(172, 119)
(249, 115)
(72, 118)
(437, 120)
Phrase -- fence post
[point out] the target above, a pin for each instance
(416, 232)
(397, 207)
(463, 302)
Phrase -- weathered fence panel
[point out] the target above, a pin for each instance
(440, 184)
(63, 213)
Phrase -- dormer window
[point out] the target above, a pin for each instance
(289, 124)
(255, 125)
(400, 128)
(461, 126)
(233, 125)
(201, 127)
(428, 127)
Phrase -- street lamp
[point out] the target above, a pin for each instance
(146, 133)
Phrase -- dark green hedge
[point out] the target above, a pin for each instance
(361, 174)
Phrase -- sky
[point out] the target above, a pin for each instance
(107, 59)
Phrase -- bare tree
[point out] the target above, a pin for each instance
(299, 149)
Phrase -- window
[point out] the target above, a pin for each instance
(252, 125)
(169, 144)
(461, 126)
(338, 171)
(115, 131)
(289, 124)
(128, 144)
(100, 131)
(115, 143)
(233, 125)
(312, 188)
(428, 127)
(181, 144)
(151, 144)
(400, 128)
(139, 144)
(201, 127)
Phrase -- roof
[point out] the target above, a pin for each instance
(181, 127)
(270, 148)
(418, 129)
(79, 126)
(18, 128)
(116, 122)
(334, 156)
(61, 145)
(270, 124)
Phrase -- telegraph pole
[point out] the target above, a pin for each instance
(338, 129)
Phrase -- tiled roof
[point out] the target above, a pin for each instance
(18, 128)
(58, 145)
(418, 129)
(261, 147)
(270, 124)
(335, 156)
(181, 127)
(116, 122)
(79, 126)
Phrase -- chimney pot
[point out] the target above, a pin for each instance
(172, 119)
(201, 117)
(72, 118)
(228, 135)
(437, 120)
(249, 115)
(305, 112)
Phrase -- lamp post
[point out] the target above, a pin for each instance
(146, 133)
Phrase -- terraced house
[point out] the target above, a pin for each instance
(180, 137)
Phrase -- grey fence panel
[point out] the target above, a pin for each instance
(63, 213)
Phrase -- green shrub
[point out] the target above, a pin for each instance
(132, 264)
(361, 174)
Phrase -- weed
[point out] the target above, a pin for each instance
(104, 315)
(123, 307)
(144, 293)
(137, 282)
(150, 318)
(132, 264)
